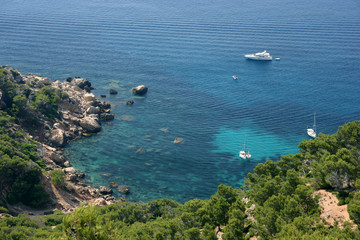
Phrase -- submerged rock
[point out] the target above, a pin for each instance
(178, 140)
(113, 91)
(123, 189)
(113, 184)
(141, 150)
(127, 118)
(140, 90)
(165, 130)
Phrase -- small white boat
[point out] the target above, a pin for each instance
(312, 131)
(277, 59)
(262, 56)
(235, 77)
(243, 154)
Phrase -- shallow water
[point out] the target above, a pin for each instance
(186, 53)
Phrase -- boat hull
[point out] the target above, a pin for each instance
(311, 133)
(257, 58)
(242, 155)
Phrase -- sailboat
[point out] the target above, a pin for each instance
(243, 154)
(312, 131)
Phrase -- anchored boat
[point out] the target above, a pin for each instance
(243, 154)
(312, 131)
(262, 56)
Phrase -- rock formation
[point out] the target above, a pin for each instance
(139, 90)
(113, 91)
(76, 111)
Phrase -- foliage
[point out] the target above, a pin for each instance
(19, 172)
(57, 177)
(3, 73)
(354, 208)
(334, 158)
(46, 101)
(5, 118)
(23, 227)
(281, 204)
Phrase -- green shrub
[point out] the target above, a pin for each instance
(354, 208)
(5, 118)
(3, 72)
(54, 219)
(14, 72)
(46, 101)
(57, 177)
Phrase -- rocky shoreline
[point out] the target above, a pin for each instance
(79, 113)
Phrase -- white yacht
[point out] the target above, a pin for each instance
(263, 56)
(312, 131)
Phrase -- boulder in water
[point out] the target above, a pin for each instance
(140, 90)
(90, 124)
(113, 91)
(81, 83)
(123, 189)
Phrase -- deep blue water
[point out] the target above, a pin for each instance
(186, 53)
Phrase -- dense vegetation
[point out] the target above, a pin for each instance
(20, 166)
(275, 202)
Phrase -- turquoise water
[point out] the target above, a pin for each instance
(186, 53)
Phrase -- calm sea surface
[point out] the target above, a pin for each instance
(186, 52)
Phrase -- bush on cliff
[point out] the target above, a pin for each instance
(57, 177)
(19, 172)
(46, 101)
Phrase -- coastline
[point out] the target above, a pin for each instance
(289, 180)
(80, 114)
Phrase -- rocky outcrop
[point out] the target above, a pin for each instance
(58, 137)
(140, 90)
(90, 125)
(81, 83)
(105, 190)
(77, 111)
(57, 158)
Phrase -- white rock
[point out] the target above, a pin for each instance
(89, 97)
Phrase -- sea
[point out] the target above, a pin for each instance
(186, 53)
